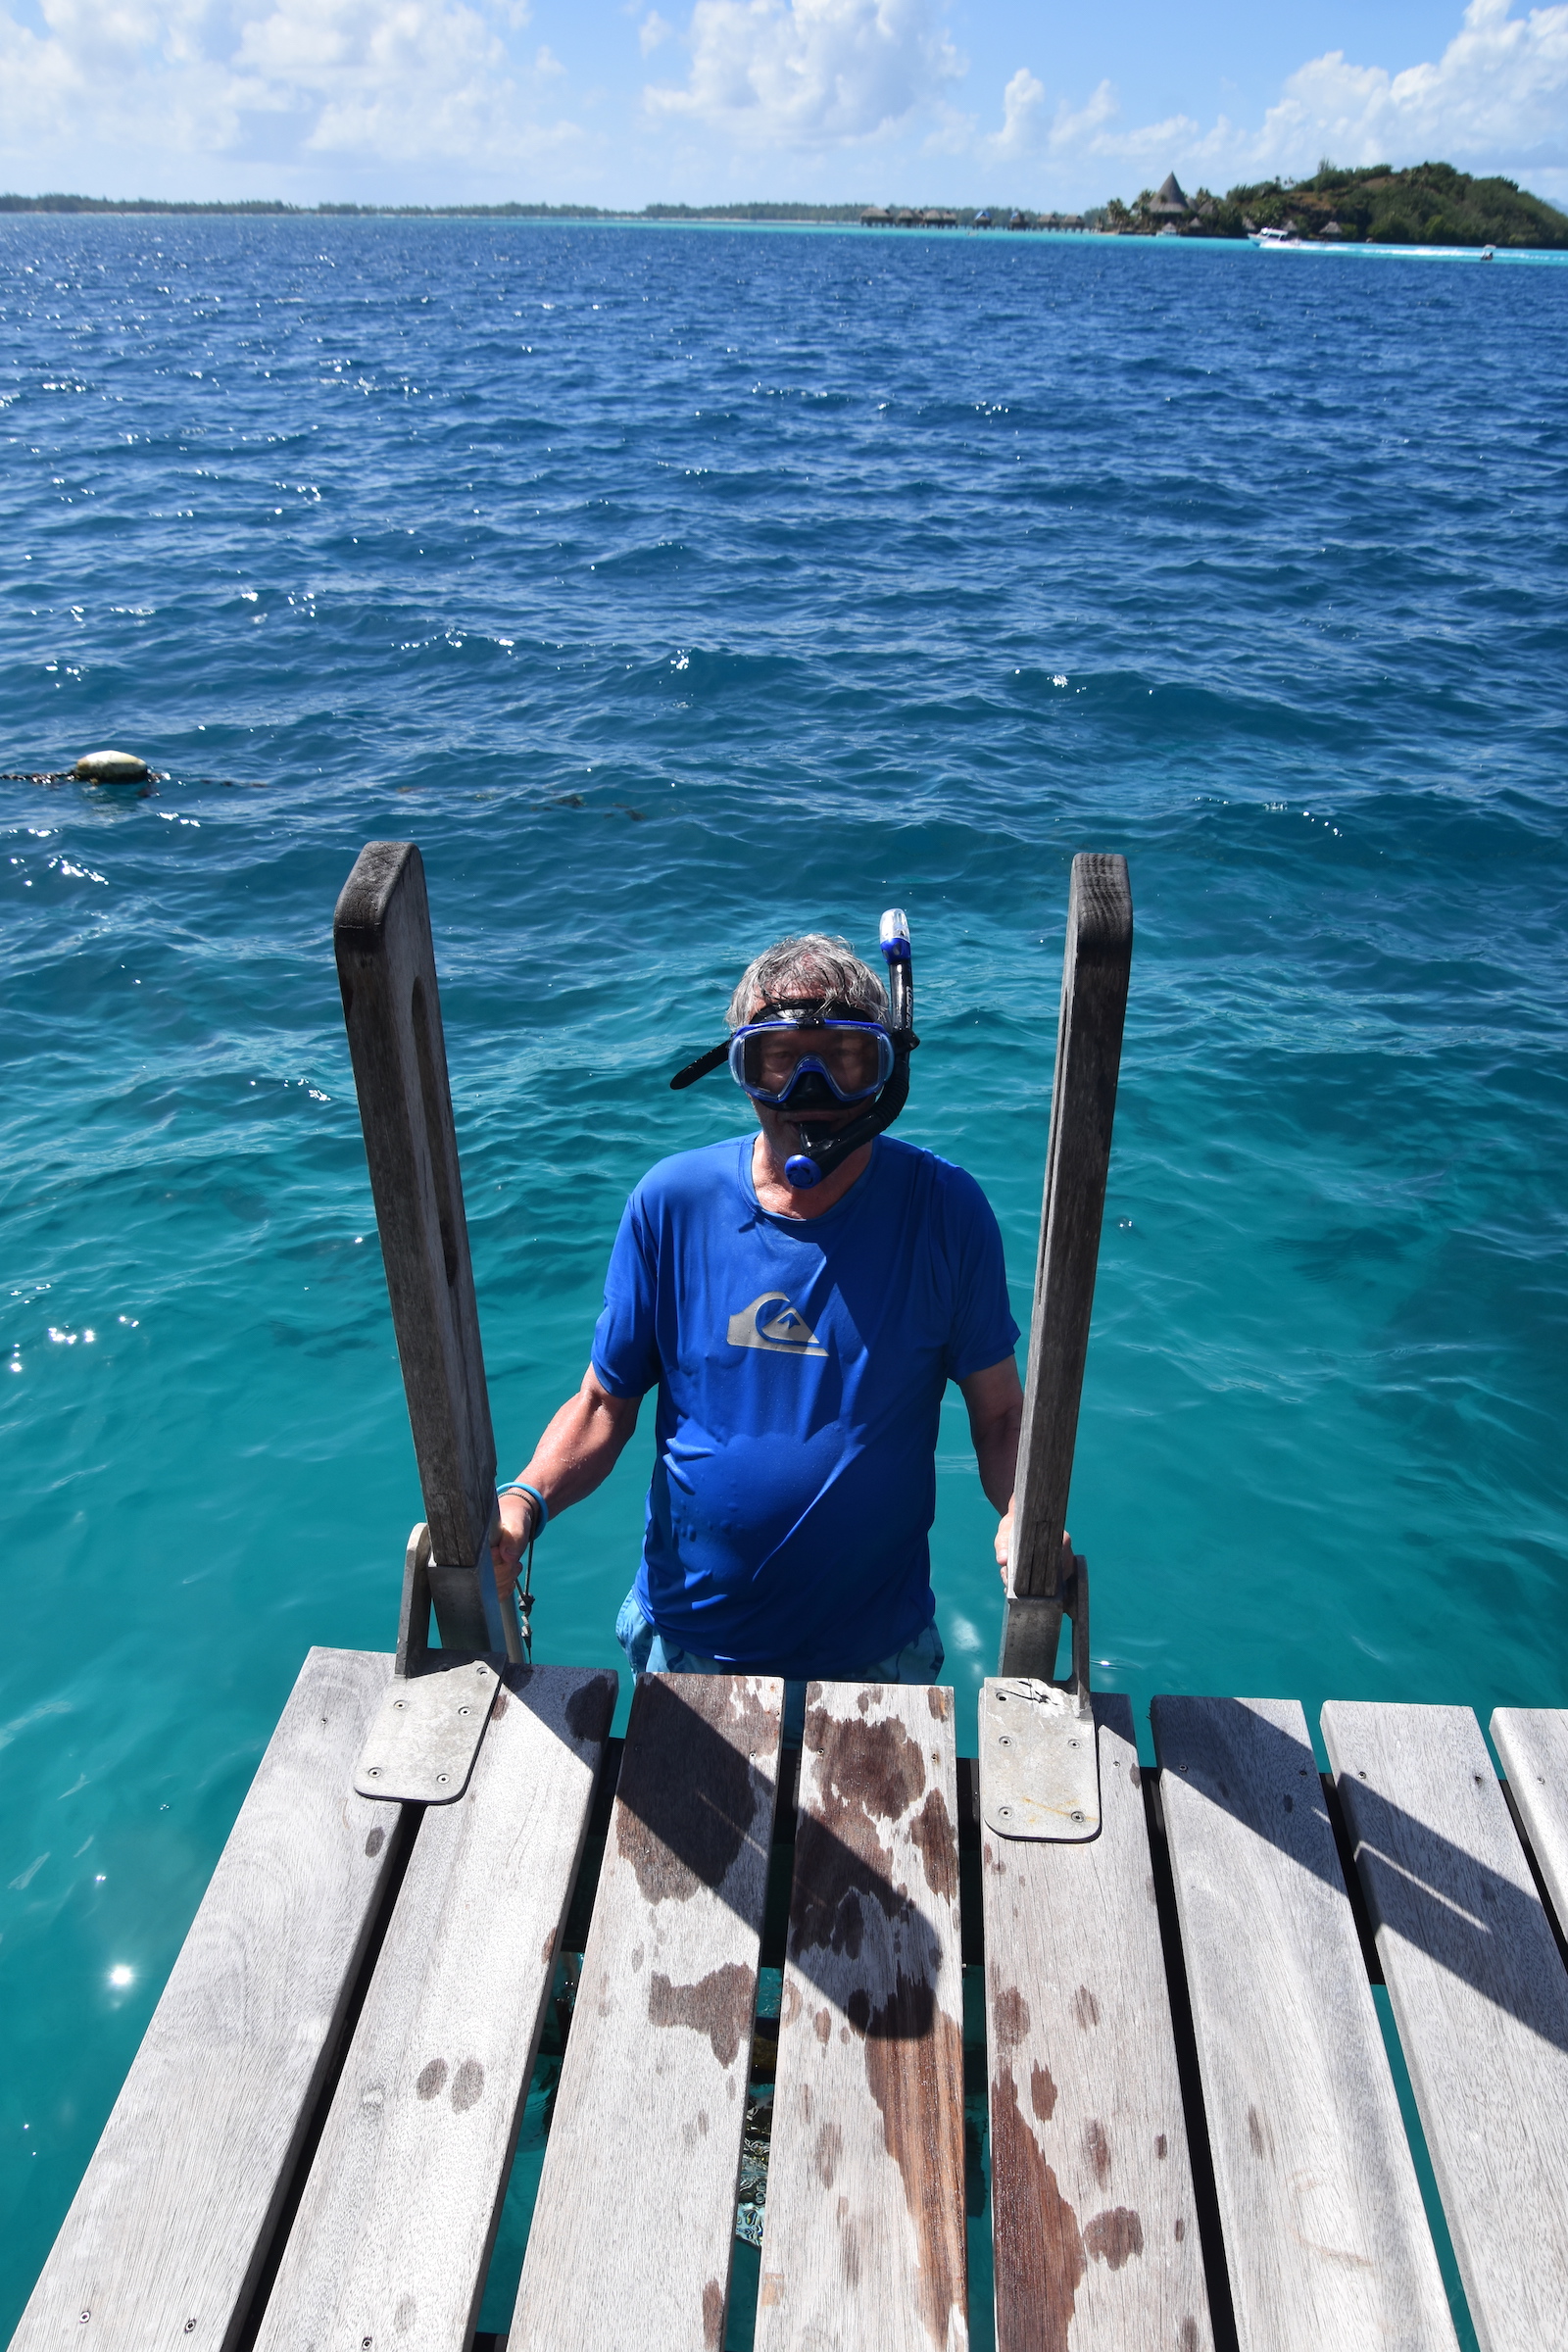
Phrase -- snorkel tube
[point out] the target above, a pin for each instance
(820, 1154)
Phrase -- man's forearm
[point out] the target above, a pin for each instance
(996, 1451)
(581, 1444)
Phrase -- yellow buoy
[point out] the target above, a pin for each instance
(110, 768)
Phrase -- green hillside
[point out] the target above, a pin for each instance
(1429, 203)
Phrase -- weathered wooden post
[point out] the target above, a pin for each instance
(392, 1010)
(1037, 1727)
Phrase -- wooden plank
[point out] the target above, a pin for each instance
(1095, 2233)
(1083, 1104)
(392, 1010)
(634, 2225)
(395, 2228)
(167, 2235)
(864, 2242)
(1532, 1743)
(1325, 2237)
(1480, 1997)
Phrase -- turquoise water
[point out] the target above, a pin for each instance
(672, 590)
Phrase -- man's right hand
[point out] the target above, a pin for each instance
(509, 1541)
(576, 1455)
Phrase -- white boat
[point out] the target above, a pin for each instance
(1270, 238)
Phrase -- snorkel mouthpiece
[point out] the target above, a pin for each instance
(820, 1154)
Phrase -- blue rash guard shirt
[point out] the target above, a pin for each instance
(800, 1365)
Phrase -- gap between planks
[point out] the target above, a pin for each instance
(1095, 2226)
(1480, 1997)
(1325, 2233)
(652, 2096)
(396, 2224)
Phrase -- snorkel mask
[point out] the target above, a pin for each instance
(813, 1054)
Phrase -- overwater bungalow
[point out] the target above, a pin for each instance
(1171, 204)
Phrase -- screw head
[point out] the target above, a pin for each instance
(372, 1772)
(465, 1710)
(190, 2327)
(440, 1780)
(400, 1703)
(1075, 1814)
(1003, 1738)
(85, 2316)
(1003, 1812)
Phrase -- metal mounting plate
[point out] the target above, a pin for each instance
(1039, 1761)
(426, 1732)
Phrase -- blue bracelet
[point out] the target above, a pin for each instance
(520, 1486)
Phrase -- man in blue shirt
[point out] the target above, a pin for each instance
(800, 1342)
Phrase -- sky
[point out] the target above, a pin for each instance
(631, 102)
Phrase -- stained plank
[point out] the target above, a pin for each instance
(1532, 1743)
(1480, 1997)
(1325, 2236)
(168, 2233)
(399, 2214)
(864, 2242)
(1096, 2240)
(633, 2227)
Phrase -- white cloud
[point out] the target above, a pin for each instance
(426, 98)
(1496, 99)
(1499, 91)
(1021, 102)
(811, 73)
(371, 80)
(420, 78)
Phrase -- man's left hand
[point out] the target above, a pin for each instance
(1005, 1549)
(1004, 1541)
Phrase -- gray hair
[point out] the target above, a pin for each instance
(813, 964)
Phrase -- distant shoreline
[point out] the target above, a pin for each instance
(818, 219)
(1430, 206)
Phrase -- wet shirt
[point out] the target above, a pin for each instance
(800, 1365)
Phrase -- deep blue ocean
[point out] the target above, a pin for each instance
(673, 590)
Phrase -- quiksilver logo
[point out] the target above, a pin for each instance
(771, 1323)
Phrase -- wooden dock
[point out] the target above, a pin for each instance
(1195, 2135)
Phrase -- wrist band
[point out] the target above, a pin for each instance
(520, 1486)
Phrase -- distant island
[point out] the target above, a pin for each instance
(1427, 203)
